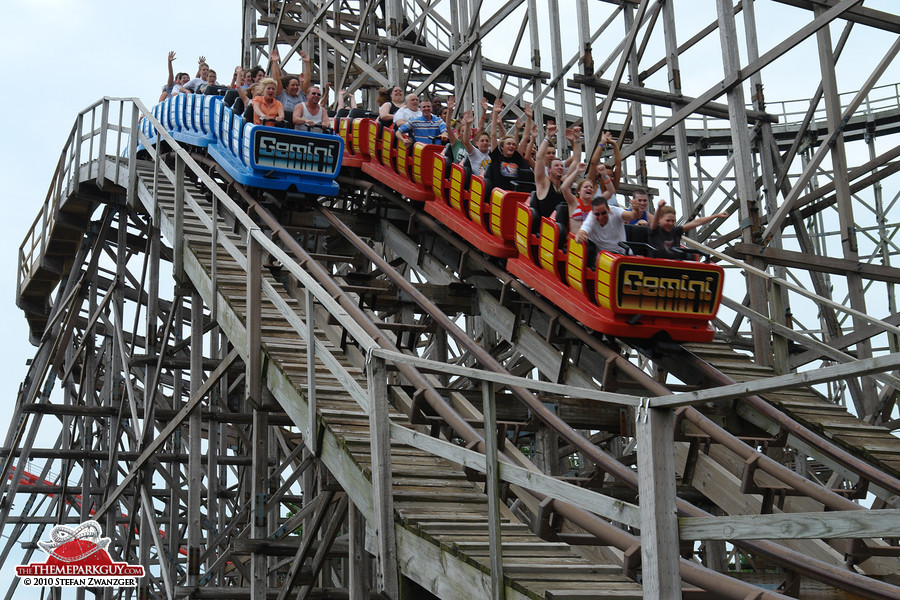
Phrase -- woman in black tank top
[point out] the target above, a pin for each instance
(548, 177)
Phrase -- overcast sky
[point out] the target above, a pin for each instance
(67, 54)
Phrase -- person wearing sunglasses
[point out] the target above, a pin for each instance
(604, 226)
(311, 113)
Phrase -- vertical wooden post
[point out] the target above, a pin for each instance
(867, 405)
(534, 19)
(253, 318)
(586, 66)
(491, 454)
(195, 457)
(743, 173)
(312, 427)
(131, 194)
(656, 486)
(682, 154)
(214, 259)
(358, 573)
(101, 151)
(260, 458)
(380, 436)
(393, 17)
(178, 242)
(781, 355)
(76, 153)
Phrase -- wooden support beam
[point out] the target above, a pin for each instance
(358, 559)
(843, 341)
(644, 95)
(380, 432)
(656, 485)
(824, 264)
(862, 15)
(498, 588)
(769, 384)
(826, 525)
(310, 532)
(312, 426)
(161, 438)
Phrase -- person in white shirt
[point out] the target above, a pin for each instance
(604, 228)
(410, 111)
(202, 69)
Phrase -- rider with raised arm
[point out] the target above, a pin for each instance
(548, 175)
(665, 235)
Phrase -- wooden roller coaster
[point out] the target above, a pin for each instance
(340, 397)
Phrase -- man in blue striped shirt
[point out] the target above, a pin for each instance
(427, 128)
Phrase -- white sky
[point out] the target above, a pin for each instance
(66, 54)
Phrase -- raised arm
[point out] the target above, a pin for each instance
(528, 153)
(306, 75)
(701, 220)
(323, 101)
(468, 119)
(570, 178)
(617, 157)
(541, 181)
(495, 122)
(171, 80)
(277, 75)
(240, 89)
(605, 183)
(485, 109)
(527, 133)
(654, 218)
(567, 183)
(573, 135)
(342, 96)
(451, 131)
(595, 160)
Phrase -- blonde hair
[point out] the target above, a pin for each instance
(267, 81)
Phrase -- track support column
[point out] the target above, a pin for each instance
(380, 426)
(656, 487)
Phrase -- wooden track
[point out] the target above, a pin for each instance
(874, 444)
(441, 517)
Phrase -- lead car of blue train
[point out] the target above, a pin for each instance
(254, 155)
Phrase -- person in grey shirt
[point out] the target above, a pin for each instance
(297, 87)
